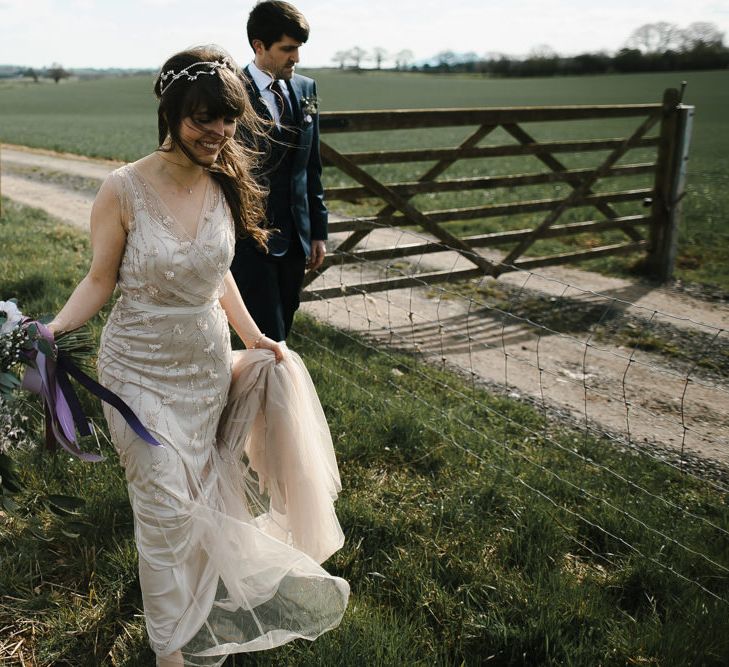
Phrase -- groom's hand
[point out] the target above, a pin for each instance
(318, 252)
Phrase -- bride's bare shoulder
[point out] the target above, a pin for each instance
(144, 164)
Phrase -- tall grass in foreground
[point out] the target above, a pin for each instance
(478, 531)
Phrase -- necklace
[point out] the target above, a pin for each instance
(188, 188)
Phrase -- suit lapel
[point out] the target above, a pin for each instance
(295, 95)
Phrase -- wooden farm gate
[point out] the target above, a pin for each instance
(652, 231)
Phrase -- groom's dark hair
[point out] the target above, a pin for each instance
(270, 20)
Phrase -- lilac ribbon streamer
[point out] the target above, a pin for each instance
(109, 397)
(36, 379)
(49, 378)
(84, 426)
(59, 405)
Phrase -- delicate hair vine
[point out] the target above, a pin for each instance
(213, 66)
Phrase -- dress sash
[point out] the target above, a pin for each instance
(168, 310)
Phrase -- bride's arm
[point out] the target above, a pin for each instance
(108, 238)
(240, 319)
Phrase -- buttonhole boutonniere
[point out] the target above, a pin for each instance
(309, 107)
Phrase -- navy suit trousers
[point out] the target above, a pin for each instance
(270, 286)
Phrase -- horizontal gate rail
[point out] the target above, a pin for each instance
(409, 119)
(482, 240)
(508, 150)
(486, 182)
(422, 279)
(592, 253)
(493, 210)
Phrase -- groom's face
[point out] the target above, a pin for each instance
(280, 59)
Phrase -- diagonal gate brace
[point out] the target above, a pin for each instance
(353, 239)
(524, 138)
(401, 204)
(578, 193)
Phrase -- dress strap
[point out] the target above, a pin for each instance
(124, 193)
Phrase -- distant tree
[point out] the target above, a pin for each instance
(341, 58)
(357, 55)
(468, 61)
(586, 63)
(57, 72)
(655, 37)
(710, 54)
(31, 74)
(542, 52)
(502, 66)
(701, 33)
(493, 55)
(403, 58)
(541, 61)
(446, 59)
(378, 55)
(629, 60)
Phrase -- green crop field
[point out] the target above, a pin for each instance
(116, 118)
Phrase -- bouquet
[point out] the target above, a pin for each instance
(29, 359)
(19, 336)
(49, 362)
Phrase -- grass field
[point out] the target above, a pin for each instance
(477, 531)
(116, 118)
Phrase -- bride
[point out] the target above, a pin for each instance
(234, 511)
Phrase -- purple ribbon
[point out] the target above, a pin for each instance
(48, 377)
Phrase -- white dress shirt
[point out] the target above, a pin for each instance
(263, 82)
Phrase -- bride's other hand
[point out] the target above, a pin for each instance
(279, 349)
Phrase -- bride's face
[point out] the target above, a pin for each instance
(204, 136)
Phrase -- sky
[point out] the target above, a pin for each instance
(143, 33)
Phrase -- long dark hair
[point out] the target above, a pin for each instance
(222, 95)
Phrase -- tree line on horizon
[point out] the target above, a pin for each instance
(57, 72)
(652, 47)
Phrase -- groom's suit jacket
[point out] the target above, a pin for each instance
(291, 169)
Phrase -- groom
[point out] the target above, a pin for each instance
(291, 170)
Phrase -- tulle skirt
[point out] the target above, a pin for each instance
(230, 541)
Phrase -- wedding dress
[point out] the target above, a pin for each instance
(234, 512)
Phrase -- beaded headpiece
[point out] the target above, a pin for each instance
(206, 67)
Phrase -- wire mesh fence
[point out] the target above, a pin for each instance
(634, 369)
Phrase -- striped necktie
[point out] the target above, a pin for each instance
(280, 98)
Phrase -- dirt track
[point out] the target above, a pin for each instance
(620, 389)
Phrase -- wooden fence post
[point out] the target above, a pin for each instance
(669, 184)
